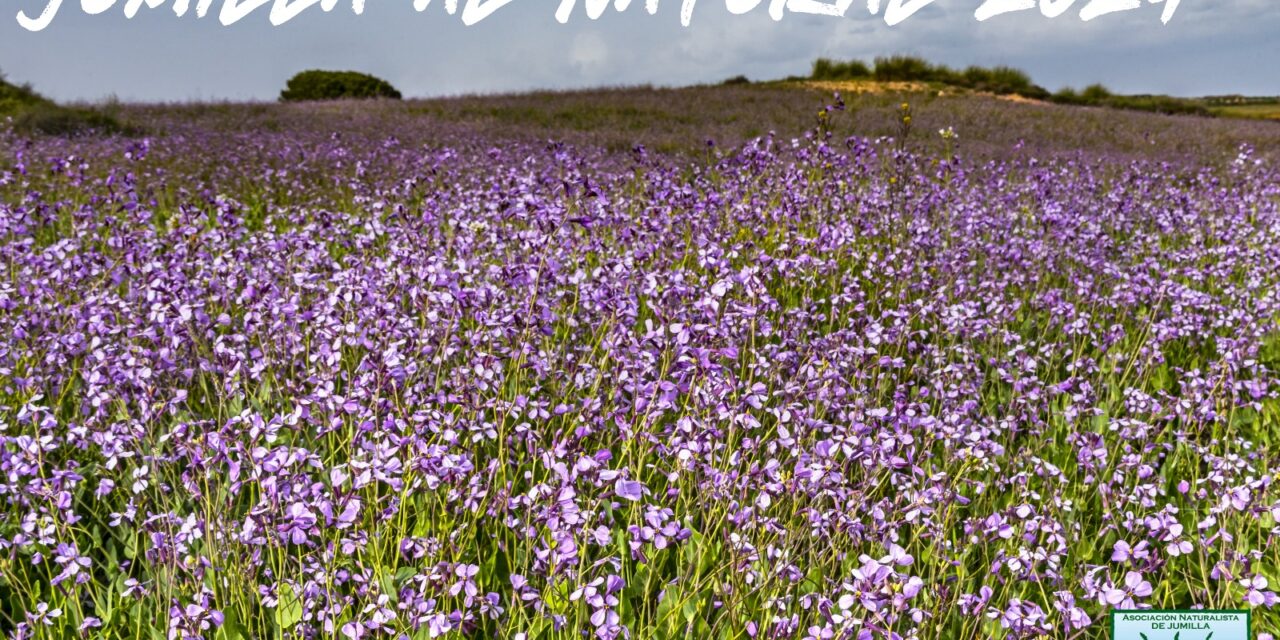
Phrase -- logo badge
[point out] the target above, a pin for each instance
(1181, 624)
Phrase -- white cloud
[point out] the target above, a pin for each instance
(590, 53)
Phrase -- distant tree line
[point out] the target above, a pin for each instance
(1217, 101)
(999, 80)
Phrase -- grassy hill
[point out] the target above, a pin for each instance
(684, 120)
(30, 112)
(15, 99)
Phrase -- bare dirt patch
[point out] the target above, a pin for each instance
(1013, 97)
(870, 86)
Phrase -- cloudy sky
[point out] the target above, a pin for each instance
(1209, 46)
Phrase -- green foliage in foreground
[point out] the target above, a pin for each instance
(336, 85)
(764, 540)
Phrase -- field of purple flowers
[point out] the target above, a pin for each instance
(381, 376)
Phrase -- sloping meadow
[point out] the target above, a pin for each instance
(311, 383)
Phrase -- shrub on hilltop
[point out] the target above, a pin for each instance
(1096, 94)
(336, 85)
(828, 69)
(1003, 81)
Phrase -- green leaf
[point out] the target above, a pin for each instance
(388, 585)
(556, 597)
(638, 585)
(812, 582)
(289, 610)
(668, 622)
(626, 611)
(537, 629)
(107, 610)
(621, 543)
(496, 568)
(690, 609)
(699, 553)
(232, 628)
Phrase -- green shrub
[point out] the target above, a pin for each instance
(336, 85)
(736, 80)
(1095, 94)
(977, 76)
(1007, 80)
(906, 69)
(1067, 95)
(945, 75)
(827, 69)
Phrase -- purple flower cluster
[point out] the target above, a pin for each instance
(325, 384)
